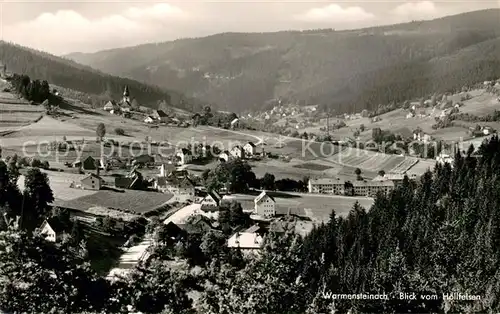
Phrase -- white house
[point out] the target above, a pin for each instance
(250, 149)
(177, 186)
(422, 137)
(110, 105)
(225, 155)
(149, 119)
(265, 205)
(487, 130)
(92, 182)
(167, 169)
(212, 200)
(445, 159)
(235, 123)
(410, 115)
(210, 205)
(238, 152)
(185, 156)
(249, 241)
(52, 230)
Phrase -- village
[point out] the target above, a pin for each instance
(116, 189)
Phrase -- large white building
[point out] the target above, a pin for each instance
(354, 188)
(265, 205)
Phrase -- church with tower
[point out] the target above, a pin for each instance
(125, 102)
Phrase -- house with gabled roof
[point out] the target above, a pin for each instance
(92, 182)
(235, 123)
(238, 152)
(88, 163)
(178, 186)
(250, 149)
(111, 105)
(149, 119)
(225, 155)
(52, 229)
(265, 205)
(184, 155)
(160, 115)
(249, 241)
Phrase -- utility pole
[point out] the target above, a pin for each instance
(328, 124)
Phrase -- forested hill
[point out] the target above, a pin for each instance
(69, 74)
(341, 69)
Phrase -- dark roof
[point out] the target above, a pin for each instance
(56, 224)
(215, 196)
(91, 175)
(160, 113)
(161, 181)
(251, 144)
(200, 224)
(144, 158)
(185, 151)
(209, 209)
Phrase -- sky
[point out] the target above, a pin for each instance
(61, 27)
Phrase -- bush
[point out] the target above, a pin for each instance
(119, 131)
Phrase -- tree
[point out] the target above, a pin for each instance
(40, 277)
(135, 105)
(119, 131)
(101, 131)
(381, 173)
(267, 182)
(38, 195)
(362, 127)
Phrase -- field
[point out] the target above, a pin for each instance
(316, 207)
(59, 183)
(15, 113)
(135, 201)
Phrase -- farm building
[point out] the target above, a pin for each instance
(444, 159)
(143, 159)
(149, 119)
(111, 105)
(225, 155)
(197, 224)
(184, 156)
(92, 182)
(160, 115)
(265, 205)
(250, 149)
(179, 186)
(212, 200)
(88, 163)
(235, 123)
(238, 152)
(167, 169)
(303, 228)
(249, 241)
(52, 229)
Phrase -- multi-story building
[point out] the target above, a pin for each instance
(371, 188)
(327, 186)
(355, 188)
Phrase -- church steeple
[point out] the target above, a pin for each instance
(126, 95)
